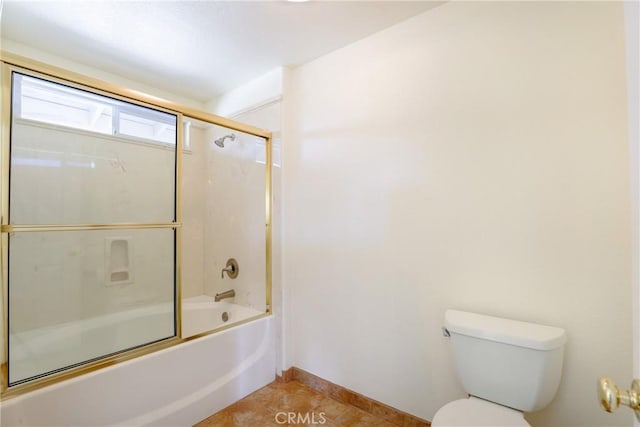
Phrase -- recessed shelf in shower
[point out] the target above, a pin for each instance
(118, 261)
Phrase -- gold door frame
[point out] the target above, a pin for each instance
(12, 62)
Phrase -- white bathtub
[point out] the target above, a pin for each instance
(53, 347)
(201, 314)
(178, 386)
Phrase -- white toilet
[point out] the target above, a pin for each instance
(507, 367)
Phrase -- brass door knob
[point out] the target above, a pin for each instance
(611, 397)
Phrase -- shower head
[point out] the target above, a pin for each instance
(220, 141)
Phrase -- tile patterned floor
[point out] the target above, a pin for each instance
(278, 403)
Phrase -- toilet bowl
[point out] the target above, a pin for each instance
(507, 367)
(477, 412)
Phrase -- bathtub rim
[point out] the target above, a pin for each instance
(190, 304)
(126, 355)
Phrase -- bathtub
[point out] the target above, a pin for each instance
(201, 314)
(53, 347)
(178, 386)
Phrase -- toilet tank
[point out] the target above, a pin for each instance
(512, 363)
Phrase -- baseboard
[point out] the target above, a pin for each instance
(350, 397)
(286, 376)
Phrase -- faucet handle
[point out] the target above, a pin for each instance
(232, 269)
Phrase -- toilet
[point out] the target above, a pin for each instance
(506, 366)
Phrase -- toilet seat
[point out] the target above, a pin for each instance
(474, 412)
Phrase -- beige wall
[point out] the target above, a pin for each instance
(473, 157)
(632, 47)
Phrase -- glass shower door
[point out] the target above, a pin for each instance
(91, 226)
(224, 225)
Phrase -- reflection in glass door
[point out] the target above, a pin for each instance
(91, 224)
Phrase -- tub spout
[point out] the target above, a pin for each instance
(226, 294)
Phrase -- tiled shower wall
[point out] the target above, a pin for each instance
(235, 216)
(193, 184)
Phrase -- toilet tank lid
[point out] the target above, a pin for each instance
(514, 332)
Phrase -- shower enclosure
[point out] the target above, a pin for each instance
(99, 262)
(223, 220)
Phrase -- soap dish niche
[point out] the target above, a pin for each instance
(118, 261)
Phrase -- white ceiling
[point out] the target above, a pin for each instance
(197, 49)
